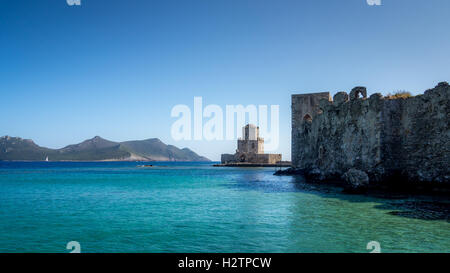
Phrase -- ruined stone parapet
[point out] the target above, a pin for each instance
(340, 98)
(407, 137)
(359, 90)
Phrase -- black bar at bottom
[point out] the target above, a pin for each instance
(231, 262)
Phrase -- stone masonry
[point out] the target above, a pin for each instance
(403, 138)
(250, 149)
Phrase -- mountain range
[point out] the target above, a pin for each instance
(96, 149)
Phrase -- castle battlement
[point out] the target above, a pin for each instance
(377, 135)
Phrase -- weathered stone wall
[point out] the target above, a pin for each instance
(405, 137)
(268, 158)
(251, 146)
(304, 108)
(227, 158)
(251, 158)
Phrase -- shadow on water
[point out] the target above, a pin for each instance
(424, 207)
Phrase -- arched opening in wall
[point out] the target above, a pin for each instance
(242, 158)
(359, 95)
(307, 118)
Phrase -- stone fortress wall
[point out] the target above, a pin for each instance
(404, 138)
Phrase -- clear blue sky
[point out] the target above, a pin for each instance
(115, 68)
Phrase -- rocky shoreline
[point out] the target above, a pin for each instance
(376, 142)
(358, 182)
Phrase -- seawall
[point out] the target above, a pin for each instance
(405, 139)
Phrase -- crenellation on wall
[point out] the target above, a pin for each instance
(357, 91)
(340, 98)
(406, 137)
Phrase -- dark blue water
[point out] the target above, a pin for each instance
(194, 207)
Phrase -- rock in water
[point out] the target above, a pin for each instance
(357, 181)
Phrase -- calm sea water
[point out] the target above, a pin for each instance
(193, 207)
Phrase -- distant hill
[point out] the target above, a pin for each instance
(96, 149)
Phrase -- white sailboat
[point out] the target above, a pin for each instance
(46, 159)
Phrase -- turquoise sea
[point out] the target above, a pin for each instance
(194, 207)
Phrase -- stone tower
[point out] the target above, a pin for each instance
(305, 107)
(250, 149)
(250, 141)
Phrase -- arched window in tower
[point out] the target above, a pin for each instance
(307, 118)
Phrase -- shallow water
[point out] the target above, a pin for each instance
(193, 207)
